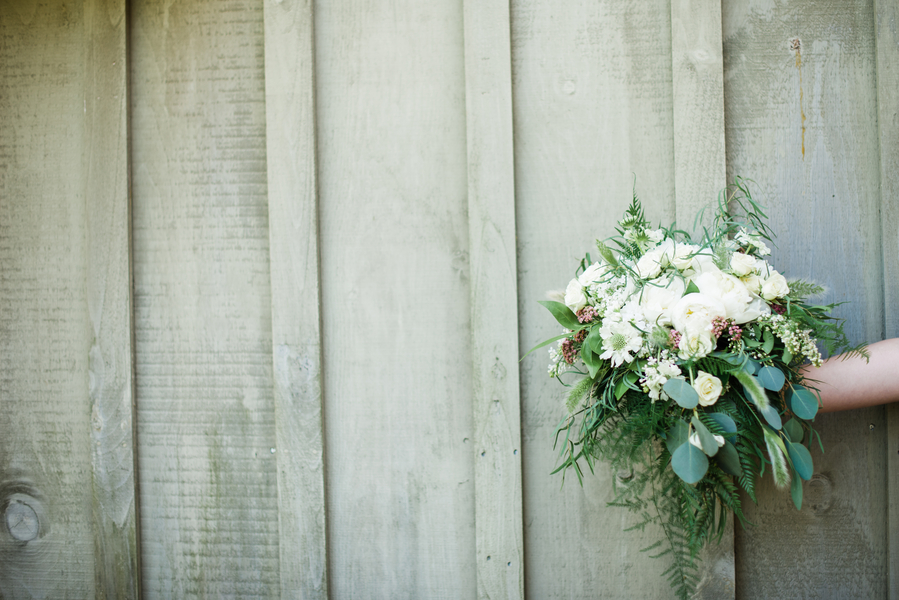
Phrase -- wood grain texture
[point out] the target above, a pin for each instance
(296, 321)
(395, 299)
(592, 111)
(698, 81)
(886, 43)
(106, 191)
(494, 300)
(699, 177)
(801, 121)
(208, 485)
(47, 542)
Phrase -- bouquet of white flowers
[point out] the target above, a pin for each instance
(683, 358)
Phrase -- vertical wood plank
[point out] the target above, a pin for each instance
(886, 44)
(494, 300)
(802, 122)
(47, 538)
(390, 109)
(592, 110)
(296, 298)
(699, 177)
(698, 82)
(106, 194)
(202, 305)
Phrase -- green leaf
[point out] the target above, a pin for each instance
(563, 314)
(768, 344)
(801, 459)
(803, 403)
(726, 423)
(729, 460)
(606, 253)
(620, 388)
(706, 439)
(691, 289)
(751, 343)
(787, 357)
(751, 366)
(682, 392)
(772, 416)
(771, 378)
(796, 490)
(678, 435)
(689, 463)
(736, 360)
(546, 343)
(793, 431)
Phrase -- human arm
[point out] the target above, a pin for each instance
(855, 383)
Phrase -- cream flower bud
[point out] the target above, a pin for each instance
(775, 286)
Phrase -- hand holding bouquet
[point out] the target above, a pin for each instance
(683, 358)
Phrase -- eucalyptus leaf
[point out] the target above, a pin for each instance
(803, 403)
(689, 463)
(772, 416)
(768, 343)
(787, 357)
(736, 360)
(751, 366)
(706, 439)
(726, 423)
(793, 431)
(729, 460)
(801, 459)
(771, 378)
(678, 434)
(796, 490)
(682, 392)
(563, 314)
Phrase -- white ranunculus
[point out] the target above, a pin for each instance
(742, 264)
(574, 296)
(592, 274)
(708, 387)
(693, 314)
(695, 345)
(658, 300)
(775, 286)
(754, 310)
(729, 290)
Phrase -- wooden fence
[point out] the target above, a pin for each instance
(267, 269)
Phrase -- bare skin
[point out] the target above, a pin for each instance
(854, 383)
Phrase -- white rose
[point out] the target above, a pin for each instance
(708, 387)
(730, 291)
(753, 283)
(775, 286)
(742, 264)
(683, 255)
(650, 264)
(658, 300)
(592, 274)
(694, 439)
(695, 345)
(574, 296)
(694, 314)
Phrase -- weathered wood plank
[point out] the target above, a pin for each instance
(296, 297)
(698, 81)
(592, 111)
(395, 299)
(886, 43)
(108, 227)
(699, 177)
(801, 121)
(494, 300)
(202, 305)
(47, 547)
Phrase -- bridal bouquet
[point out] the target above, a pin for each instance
(683, 361)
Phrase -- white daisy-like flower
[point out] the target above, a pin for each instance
(620, 340)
